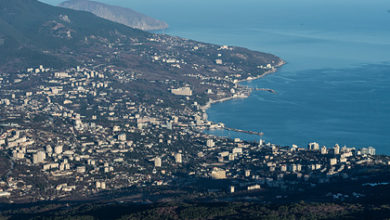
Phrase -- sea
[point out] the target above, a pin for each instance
(335, 87)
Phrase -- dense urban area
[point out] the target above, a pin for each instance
(77, 134)
(117, 116)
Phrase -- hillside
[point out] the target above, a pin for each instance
(32, 32)
(121, 15)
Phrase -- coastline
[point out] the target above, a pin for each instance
(208, 105)
(272, 70)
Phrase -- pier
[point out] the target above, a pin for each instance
(243, 131)
(267, 90)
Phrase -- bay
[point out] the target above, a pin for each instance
(335, 87)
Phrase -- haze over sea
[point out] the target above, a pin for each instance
(336, 85)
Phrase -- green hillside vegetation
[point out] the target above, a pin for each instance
(238, 210)
(28, 28)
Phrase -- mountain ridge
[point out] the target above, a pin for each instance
(117, 14)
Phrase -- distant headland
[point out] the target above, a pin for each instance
(117, 14)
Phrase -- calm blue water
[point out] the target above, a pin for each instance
(336, 85)
(345, 106)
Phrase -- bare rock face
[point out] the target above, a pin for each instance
(117, 14)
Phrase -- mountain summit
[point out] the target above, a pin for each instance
(117, 14)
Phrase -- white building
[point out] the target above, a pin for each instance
(314, 146)
(283, 168)
(49, 149)
(254, 187)
(324, 150)
(58, 149)
(116, 128)
(39, 157)
(5, 194)
(122, 137)
(336, 149)
(333, 161)
(61, 75)
(81, 169)
(210, 143)
(103, 185)
(369, 151)
(184, 91)
(237, 150)
(79, 124)
(218, 174)
(247, 173)
(178, 158)
(157, 162)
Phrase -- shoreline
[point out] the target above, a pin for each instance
(208, 105)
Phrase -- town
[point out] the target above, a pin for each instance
(99, 120)
(80, 133)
